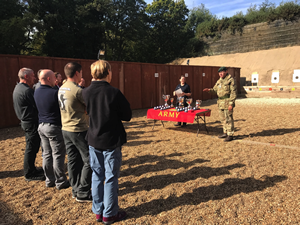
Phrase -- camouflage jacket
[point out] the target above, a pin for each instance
(226, 91)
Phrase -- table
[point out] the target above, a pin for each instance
(173, 115)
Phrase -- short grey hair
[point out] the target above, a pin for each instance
(24, 71)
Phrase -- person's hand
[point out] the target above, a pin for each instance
(230, 108)
(174, 93)
(206, 89)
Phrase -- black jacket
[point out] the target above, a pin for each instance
(106, 107)
(24, 104)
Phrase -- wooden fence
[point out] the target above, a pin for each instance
(143, 84)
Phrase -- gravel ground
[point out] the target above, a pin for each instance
(268, 101)
(170, 175)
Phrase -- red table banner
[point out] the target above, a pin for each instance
(173, 115)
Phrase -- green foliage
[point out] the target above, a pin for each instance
(13, 27)
(198, 15)
(127, 30)
(167, 35)
(288, 11)
(236, 24)
(260, 14)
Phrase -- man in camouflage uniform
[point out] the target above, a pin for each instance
(225, 88)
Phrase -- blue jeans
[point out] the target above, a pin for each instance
(106, 166)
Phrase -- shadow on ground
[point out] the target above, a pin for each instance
(230, 187)
(161, 181)
(16, 173)
(7, 216)
(161, 163)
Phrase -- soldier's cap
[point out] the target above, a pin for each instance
(223, 68)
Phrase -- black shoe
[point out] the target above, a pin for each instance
(183, 125)
(86, 199)
(222, 136)
(64, 186)
(36, 177)
(177, 124)
(50, 185)
(229, 138)
(39, 171)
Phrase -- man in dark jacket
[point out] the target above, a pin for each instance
(50, 131)
(106, 107)
(27, 112)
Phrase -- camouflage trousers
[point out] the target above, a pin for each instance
(226, 118)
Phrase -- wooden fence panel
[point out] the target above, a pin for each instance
(207, 81)
(9, 75)
(132, 84)
(149, 90)
(175, 74)
(198, 83)
(163, 84)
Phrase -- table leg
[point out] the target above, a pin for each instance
(153, 124)
(198, 125)
(205, 124)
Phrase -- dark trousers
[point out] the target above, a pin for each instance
(184, 105)
(33, 142)
(79, 169)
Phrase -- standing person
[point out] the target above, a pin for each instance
(26, 111)
(74, 128)
(225, 88)
(58, 80)
(186, 92)
(54, 150)
(106, 107)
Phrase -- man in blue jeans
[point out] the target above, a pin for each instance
(107, 107)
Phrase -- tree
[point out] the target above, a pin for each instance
(167, 36)
(14, 34)
(198, 15)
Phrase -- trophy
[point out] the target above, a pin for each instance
(198, 103)
(189, 102)
(181, 99)
(172, 100)
(166, 98)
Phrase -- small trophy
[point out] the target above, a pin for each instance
(181, 99)
(172, 100)
(166, 98)
(198, 103)
(189, 102)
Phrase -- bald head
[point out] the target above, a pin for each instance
(47, 77)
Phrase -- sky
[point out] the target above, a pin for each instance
(225, 8)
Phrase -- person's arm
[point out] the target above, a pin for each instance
(212, 90)
(30, 97)
(233, 94)
(124, 110)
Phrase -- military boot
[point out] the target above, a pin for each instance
(222, 136)
(229, 138)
